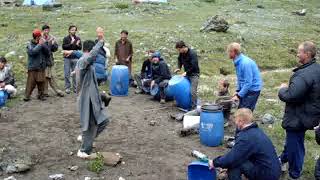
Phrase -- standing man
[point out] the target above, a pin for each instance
(253, 154)
(70, 42)
(93, 118)
(302, 111)
(249, 79)
(37, 52)
(123, 52)
(52, 44)
(189, 60)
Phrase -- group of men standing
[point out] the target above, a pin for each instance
(253, 154)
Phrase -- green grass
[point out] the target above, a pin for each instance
(270, 36)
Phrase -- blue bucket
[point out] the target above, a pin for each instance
(211, 125)
(119, 85)
(3, 98)
(180, 88)
(200, 171)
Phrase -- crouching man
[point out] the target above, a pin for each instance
(161, 75)
(93, 118)
(253, 154)
(6, 78)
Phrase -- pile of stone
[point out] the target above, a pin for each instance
(215, 23)
(9, 3)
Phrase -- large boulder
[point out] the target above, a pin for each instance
(215, 23)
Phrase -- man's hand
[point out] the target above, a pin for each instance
(78, 42)
(177, 70)
(184, 74)
(72, 39)
(283, 85)
(235, 98)
(152, 84)
(2, 84)
(211, 166)
(67, 53)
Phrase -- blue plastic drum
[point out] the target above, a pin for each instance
(211, 125)
(155, 92)
(119, 85)
(3, 98)
(200, 171)
(179, 87)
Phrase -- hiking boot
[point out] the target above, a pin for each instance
(105, 99)
(68, 91)
(42, 98)
(26, 99)
(60, 94)
(82, 155)
(162, 101)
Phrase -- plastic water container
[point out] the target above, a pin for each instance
(179, 87)
(119, 85)
(211, 125)
(3, 98)
(200, 171)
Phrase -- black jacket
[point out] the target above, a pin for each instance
(160, 72)
(66, 45)
(146, 69)
(302, 98)
(52, 48)
(252, 144)
(189, 61)
(37, 56)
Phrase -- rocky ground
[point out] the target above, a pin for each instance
(43, 134)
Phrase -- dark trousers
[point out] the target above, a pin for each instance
(246, 169)
(194, 80)
(162, 86)
(35, 78)
(249, 100)
(317, 170)
(294, 152)
(91, 133)
(69, 65)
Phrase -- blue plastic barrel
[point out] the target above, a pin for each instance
(119, 85)
(211, 125)
(179, 87)
(3, 98)
(200, 171)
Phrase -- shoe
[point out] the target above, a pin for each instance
(162, 101)
(42, 98)
(68, 91)
(60, 94)
(26, 99)
(105, 99)
(138, 91)
(82, 155)
(79, 138)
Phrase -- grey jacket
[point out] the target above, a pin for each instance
(89, 92)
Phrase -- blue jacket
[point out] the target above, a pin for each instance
(37, 56)
(248, 75)
(252, 144)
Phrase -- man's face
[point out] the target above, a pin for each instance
(46, 32)
(155, 60)
(302, 56)
(232, 53)
(180, 50)
(123, 36)
(38, 39)
(239, 122)
(1, 65)
(73, 31)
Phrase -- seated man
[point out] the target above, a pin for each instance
(160, 75)
(145, 74)
(253, 154)
(6, 78)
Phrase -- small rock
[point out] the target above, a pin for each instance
(123, 163)
(270, 126)
(260, 6)
(11, 169)
(152, 123)
(87, 178)
(10, 54)
(70, 153)
(10, 178)
(215, 23)
(121, 178)
(302, 12)
(268, 119)
(73, 168)
(57, 177)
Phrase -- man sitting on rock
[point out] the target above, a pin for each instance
(93, 118)
(6, 78)
(160, 75)
(145, 74)
(253, 154)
